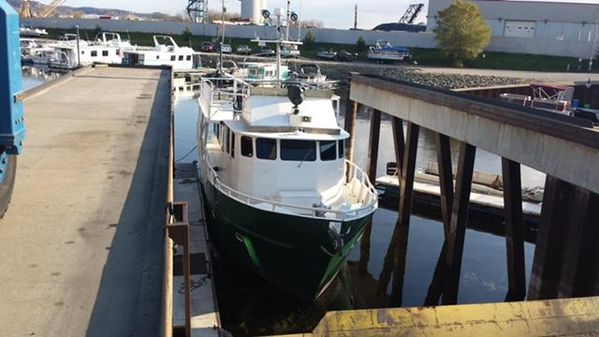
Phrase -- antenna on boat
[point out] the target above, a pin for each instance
(222, 40)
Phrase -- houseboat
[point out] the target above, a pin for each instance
(165, 52)
(384, 52)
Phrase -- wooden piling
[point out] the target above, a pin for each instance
(514, 230)
(579, 267)
(399, 143)
(459, 219)
(351, 115)
(551, 237)
(402, 228)
(435, 289)
(373, 156)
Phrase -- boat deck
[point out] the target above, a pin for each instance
(83, 237)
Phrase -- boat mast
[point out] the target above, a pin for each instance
(222, 40)
(288, 19)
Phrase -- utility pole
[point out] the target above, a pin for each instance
(288, 19)
(356, 17)
(222, 40)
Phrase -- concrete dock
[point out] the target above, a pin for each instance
(82, 239)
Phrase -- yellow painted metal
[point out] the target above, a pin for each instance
(26, 9)
(563, 317)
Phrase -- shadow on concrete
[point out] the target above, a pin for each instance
(129, 298)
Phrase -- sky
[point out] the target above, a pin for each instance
(333, 13)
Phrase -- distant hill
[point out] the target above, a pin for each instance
(68, 11)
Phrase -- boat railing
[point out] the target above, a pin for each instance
(214, 96)
(359, 185)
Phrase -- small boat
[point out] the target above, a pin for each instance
(280, 197)
(165, 52)
(34, 52)
(383, 52)
(263, 72)
(32, 32)
(549, 97)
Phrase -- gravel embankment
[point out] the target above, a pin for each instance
(340, 71)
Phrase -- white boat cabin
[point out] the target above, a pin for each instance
(272, 153)
(165, 52)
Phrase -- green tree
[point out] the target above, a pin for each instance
(462, 32)
(309, 40)
(361, 45)
(187, 35)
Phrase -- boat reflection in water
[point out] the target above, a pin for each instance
(35, 75)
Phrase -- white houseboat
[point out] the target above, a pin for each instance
(165, 52)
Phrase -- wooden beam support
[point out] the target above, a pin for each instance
(514, 230)
(435, 289)
(459, 219)
(551, 237)
(373, 156)
(579, 267)
(402, 228)
(399, 143)
(395, 259)
(351, 115)
(445, 179)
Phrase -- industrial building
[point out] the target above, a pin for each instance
(251, 10)
(559, 21)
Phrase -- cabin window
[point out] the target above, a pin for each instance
(246, 146)
(217, 131)
(341, 146)
(232, 144)
(266, 148)
(180, 57)
(227, 135)
(173, 58)
(158, 57)
(328, 150)
(83, 52)
(94, 53)
(188, 58)
(104, 52)
(298, 150)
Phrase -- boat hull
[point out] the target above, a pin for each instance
(301, 255)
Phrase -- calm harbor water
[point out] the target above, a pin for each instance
(249, 306)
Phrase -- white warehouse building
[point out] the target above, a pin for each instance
(535, 25)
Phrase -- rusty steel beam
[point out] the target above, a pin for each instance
(551, 239)
(514, 230)
(459, 219)
(579, 268)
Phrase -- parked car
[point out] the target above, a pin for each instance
(328, 55)
(345, 56)
(227, 49)
(265, 51)
(208, 47)
(244, 49)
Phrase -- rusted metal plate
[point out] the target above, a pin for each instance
(566, 317)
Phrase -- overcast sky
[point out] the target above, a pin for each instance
(334, 13)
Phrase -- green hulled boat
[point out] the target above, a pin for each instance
(280, 196)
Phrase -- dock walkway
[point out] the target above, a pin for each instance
(82, 238)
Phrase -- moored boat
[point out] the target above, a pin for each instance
(383, 52)
(281, 199)
(165, 52)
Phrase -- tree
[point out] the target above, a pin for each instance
(361, 45)
(309, 40)
(461, 32)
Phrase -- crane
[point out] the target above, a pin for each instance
(50, 8)
(26, 10)
(45, 11)
(197, 10)
(411, 13)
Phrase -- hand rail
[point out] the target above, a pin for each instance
(357, 175)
